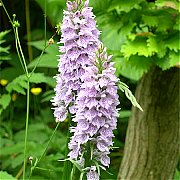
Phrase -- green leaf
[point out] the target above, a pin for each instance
(37, 34)
(177, 175)
(5, 100)
(126, 6)
(150, 20)
(53, 48)
(124, 88)
(37, 129)
(173, 58)
(168, 61)
(37, 78)
(3, 50)
(176, 25)
(17, 161)
(134, 68)
(19, 84)
(109, 26)
(47, 96)
(108, 38)
(41, 78)
(15, 85)
(49, 59)
(5, 58)
(144, 46)
(138, 46)
(76, 164)
(100, 6)
(18, 148)
(98, 167)
(4, 141)
(173, 42)
(13, 149)
(5, 176)
(163, 63)
(15, 63)
(126, 28)
(161, 19)
(141, 63)
(126, 69)
(156, 46)
(3, 33)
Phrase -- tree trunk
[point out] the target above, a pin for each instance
(153, 137)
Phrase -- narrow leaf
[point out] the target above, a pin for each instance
(129, 94)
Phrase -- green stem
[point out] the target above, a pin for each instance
(42, 155)
(23, 63)
(14, 33)
(26, 131)
(49, 142)
(72, 172)
(21, 52)
(6, 12)
(20, 59)
(16, 36)
(45, 23)
(24, 66)
(67, 164)
(44, 169)
(38, 60)
(81, 176)
(28, 27)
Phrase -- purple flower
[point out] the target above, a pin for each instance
(96, 113)
(86, 87)
(80, 41)
(92, 174)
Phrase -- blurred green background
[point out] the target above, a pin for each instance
(139, 33)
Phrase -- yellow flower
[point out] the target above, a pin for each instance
(3, 82)
(14, 97)
(36, 91)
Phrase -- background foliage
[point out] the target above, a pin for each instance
(139, 33)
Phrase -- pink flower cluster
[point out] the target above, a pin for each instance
(80, 41)
(86, 87)
(96, 114)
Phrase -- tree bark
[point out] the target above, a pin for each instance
(153, 137)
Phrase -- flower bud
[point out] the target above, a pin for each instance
(51, 41)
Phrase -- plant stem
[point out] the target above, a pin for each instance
(20, 59)
(6, 12)
(26, 131)
(28, 27)
(20, 172)
(21, 53)
(45, 23)
(38, 60)
(67, 164)
(42, 155)
(49, 142)
(45, 44)
(81, 176)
